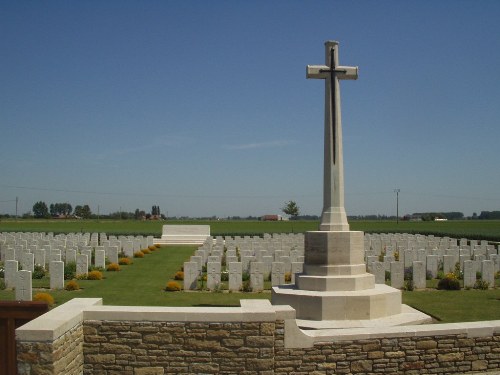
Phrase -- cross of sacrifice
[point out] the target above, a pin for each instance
(333, 217)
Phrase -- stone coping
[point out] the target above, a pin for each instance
(249, 311)
(297, 338)
(55, 323)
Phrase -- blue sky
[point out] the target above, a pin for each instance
(203, 108)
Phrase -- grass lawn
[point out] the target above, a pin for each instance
(143, 283)
(456, 306)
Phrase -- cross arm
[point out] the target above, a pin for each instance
(317, 71)
(323, 71)
(347, 72)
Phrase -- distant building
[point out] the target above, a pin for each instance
(272, 218)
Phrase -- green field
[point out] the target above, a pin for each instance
(472, 229)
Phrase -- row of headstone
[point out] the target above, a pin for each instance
(258, 273)
(14, 245)
(420, 269)
(378, 244)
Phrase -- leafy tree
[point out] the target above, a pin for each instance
(40, 210)
(57, 209)
(291, 209)
(155, 210)
(83, 211)
(139, 214)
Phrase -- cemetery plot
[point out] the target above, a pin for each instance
(442, 262)
(37, 262)
(144, 282)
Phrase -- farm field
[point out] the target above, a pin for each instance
(143, 284)
(472, 229)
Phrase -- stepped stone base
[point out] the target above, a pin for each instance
(378, 302)
(335, 287)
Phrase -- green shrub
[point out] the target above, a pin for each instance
(288, 277)
(69, 270)
(38, 272)
(479, 275)
(2, 284)
(224, 276)
(146, 251)
(138, 254)
(408, 285)
(449, 282)
(387, 275)
(246, 287)
(245, 276)
(481, 285)
(81, 276)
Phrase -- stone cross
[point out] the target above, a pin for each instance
(333, 217)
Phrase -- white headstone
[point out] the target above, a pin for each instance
(112, 254)
(23, 286)
(82, 264)
(213, 275)
(378, 270)
(28, 262)
(100, 258)
(469, 274)
(10, 273)
(235, 276)
(397, 275)
(419, 281)
(257, 276)
(277, 273)
(56, 275)
(487, 272)
(191, 273)
(432, 265)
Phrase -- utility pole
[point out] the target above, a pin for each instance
(17, 201)
(397, 204)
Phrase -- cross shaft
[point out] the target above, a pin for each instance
(333, 217)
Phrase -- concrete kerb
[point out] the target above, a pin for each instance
(298, 338)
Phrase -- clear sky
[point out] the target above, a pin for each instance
(203, 107)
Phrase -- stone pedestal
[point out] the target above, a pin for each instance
(335, 285)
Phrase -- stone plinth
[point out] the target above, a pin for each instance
(378, 302)
(335, 285)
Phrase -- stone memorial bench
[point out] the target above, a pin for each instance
(183, 235)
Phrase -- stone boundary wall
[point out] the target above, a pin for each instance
(256, 338)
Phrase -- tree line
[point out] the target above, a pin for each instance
(65, 210)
